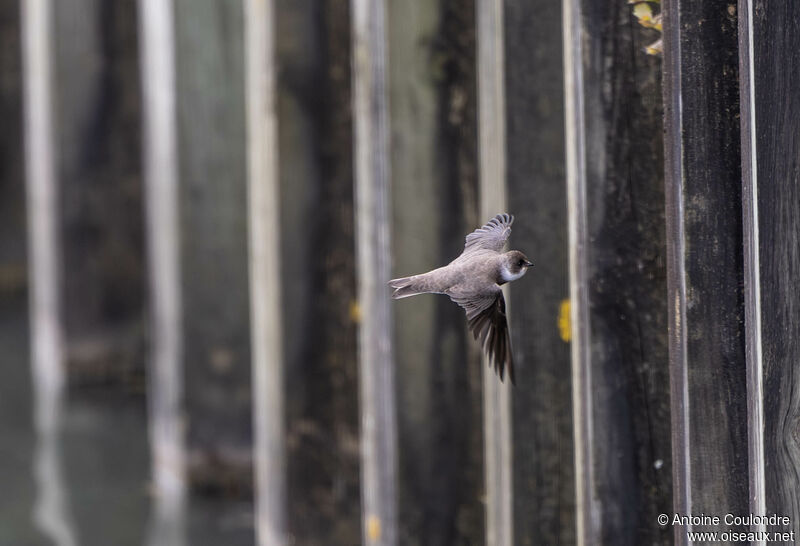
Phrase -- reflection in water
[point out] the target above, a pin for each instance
(50, 513)
(167, 525)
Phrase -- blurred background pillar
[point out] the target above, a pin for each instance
(98, 94)
(265, 281)
(373, 261)
(544, 470)
(99, 142)
(585, 503)
(434, 204)
(17, 444)
(213, 159)
(212, 134)
(317, 266)
(46, 334)
(497, 463)
(165, 361)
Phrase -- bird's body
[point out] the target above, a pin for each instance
(464, 277)
(473, 281)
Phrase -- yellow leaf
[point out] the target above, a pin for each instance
(373, 528)
(355, 312)
(657, 23)
(656, 48)
(564, 326)
(644, 13)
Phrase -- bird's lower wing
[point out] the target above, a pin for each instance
(487, 321)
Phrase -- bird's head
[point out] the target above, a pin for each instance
(514, 265)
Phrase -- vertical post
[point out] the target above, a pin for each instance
(752, 277)
(373, 256)
(265, 279)
(676, 278)
(705, 261)
(544, 469)
(492, 151)
(165, 363)
(432, 78)
(211, 120)
(769, 56)
(585, 505)
(619, 316)
(315, 145)
(47, 357)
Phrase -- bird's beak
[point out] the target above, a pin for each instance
(528, 264)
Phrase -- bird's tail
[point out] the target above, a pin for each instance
(405, 287)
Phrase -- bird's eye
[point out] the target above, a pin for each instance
(520, 263)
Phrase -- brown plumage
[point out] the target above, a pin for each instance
(473, 281)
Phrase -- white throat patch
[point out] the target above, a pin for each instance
(508, 276)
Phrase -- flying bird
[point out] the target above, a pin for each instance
(473, 281)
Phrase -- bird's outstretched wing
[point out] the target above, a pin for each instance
(487, 320)
(492, 236)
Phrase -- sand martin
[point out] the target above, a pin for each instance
(473, 281)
